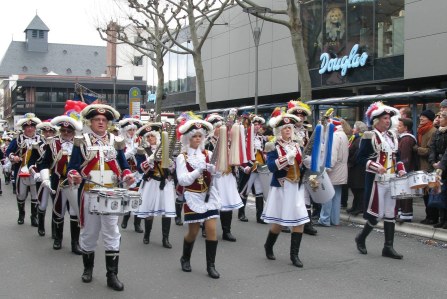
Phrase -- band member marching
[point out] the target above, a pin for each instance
(129, 126)
(98, 157)
(302, 111)
(379, 152)
(285, 204)
(157, 188)
(19, 153)
(202, 199)
(249, 177)
(53, 174)
(225, 181)
(6, 164)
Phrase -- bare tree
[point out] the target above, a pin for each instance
(138, 32)
(199, 16)
(294, 24)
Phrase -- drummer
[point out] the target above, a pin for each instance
(285, 204)
(99, 155)
(157, 188)
(53, 173)
(19, 153)
(378, 151)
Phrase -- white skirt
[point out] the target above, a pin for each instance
(285, 205)
(156, 202)
(229, 196)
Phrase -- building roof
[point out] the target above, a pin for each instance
(37, 24)
(62, 59)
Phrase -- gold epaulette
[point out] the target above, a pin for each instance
(119, 144)
(78, 140)
(368, 135)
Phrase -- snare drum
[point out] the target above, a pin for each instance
(321, 189)
(399, 188)
(417, 179)
(431, 178)
(107, 201)
(132, 201)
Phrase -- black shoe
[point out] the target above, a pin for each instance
(178, 221)
(184, 260)
(137, 225)
(261, 221)
(166, 243)
(57, 244)
(165, 229)
(295, 243)
(21, 219)
(89, 260)
(356, 212)
(75, 248)
(211, 247)
(147, 229)
(125, 220)
(268, 246)
(112, 260)
(227, 236)
(243, 218)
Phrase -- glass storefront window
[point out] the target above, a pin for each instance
(173, 71)
(390, 28)
(311, 17)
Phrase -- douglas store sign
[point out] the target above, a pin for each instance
(353, 60)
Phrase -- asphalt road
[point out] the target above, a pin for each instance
(333, 268)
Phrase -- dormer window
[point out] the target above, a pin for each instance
(41, 34)
(34, 33)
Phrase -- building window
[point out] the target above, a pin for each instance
(138, 78)
(34, 33)
(41, 34)
(68, 71)
(88, 72)
(45, 70)
(138, 60)
(24, 69)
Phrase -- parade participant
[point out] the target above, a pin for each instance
(250, 180)
(378, 151)
(225, 182)
(47, 132)
(6, 164)
(157, 188)
(129, 126)
(202, 199)
(53, 173)
(301, 136)
(285, 204)
(19, 153)
(99, 157)
(179, 189)
(2, 159)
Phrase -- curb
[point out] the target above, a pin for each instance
(407, 228)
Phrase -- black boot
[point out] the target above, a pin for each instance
(53, 227)
(125, 220)
(178, 213)
(271, 239)
(211, 248)
(112, 259)
(147, 229)
(259, 209)
(295, 243)
(388, 250)
(89, 261)
(442, 217)
(225, 220)
(21, 207)
(309, 227)
(360, 239)
(41, 220)
(184, 260)
(59, 234)
(241, 211)
(137, 224)
(33, 216)
(75, 230)
(165, 229)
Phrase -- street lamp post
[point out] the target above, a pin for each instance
(256, 11)
(114, 76)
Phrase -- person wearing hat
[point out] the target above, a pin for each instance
(179, 201)
(285, 204)
(225, 182)
(202, 199)
(157, 188)
(443, 106)
(99, 157)
(19, 153)
(302, 111)
(6, 164)
(425, 133)
(378, 152)
(53, 173)
(249, 177)
(129, 126)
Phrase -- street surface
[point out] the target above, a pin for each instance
(333, 268)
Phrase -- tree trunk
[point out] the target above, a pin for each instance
(160, 90)
(200, 81)
(301, 63)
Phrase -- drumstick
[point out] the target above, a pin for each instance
(93, 182)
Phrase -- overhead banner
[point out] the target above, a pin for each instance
(135, 102)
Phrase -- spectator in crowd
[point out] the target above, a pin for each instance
(338, 174)
(425, 133)
(405, 112)
(437, 120)
(407, 156)
(443, 106)
(345, 189)
(438, 159)
(356, 172)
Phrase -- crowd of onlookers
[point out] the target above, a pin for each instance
(423, 150)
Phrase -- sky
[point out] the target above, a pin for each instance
(69, 21)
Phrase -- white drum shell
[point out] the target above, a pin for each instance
(417, 179)
(132, 200)
(107, 201)
(325, 190)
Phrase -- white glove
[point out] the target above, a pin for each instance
(46, 184)
(151, 159)
(247, 169)
(37, 177)
(291, 157)
(211, 168)
(201, 166)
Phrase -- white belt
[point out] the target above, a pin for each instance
(384, 177)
